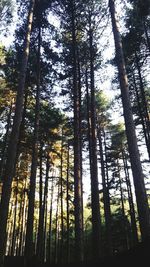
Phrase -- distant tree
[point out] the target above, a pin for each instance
(6, 10)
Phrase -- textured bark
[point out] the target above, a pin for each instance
(138, 177)
(12, 147)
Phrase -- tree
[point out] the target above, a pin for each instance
(6, 191)
(6, 9)
(141, 197)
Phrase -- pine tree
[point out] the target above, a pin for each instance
(14, 138)
(138, 176)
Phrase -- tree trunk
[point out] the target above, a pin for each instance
(56, 228)
(50, 224)
(138, 177)
(96, 219)
(67, 205)
(107, 211)
(12, 147)
(77, 149)
(61, 202)
(14, 222)
(131, 203)
(5, 142)
(29, 249)
(125, 233)
(40, 231)
(141, 116)
(144, 100)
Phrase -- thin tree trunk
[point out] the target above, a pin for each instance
(29, 246)
(56, 228)
(40, 226)
(126, 245)
(80, 134)
(138, 177)
(4, 147)
(12, 147)
(50, 223)
(44, 208)
(96, 219)
(23, 203)
(144, 101)
(68, 208)
(77, 149)
(107, 211)
(130, 199)
(14, 222)
(61, 202)
(141, 116)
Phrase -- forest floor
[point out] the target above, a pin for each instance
(137, 256)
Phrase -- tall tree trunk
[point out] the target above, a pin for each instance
(56, 227)
(131, 203)
(23, 204)
(96, 219)
(5, 142)
(144, 100)
(12, 147)
(125, 234)
(107, 211)
(77, 149)
(80, 134)
(61, 202)
(67, 205)
(138, 177)
(40, 226)
(50, 223)
(29, 249)
(44, 208)
(14, 221)
(141, 116)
